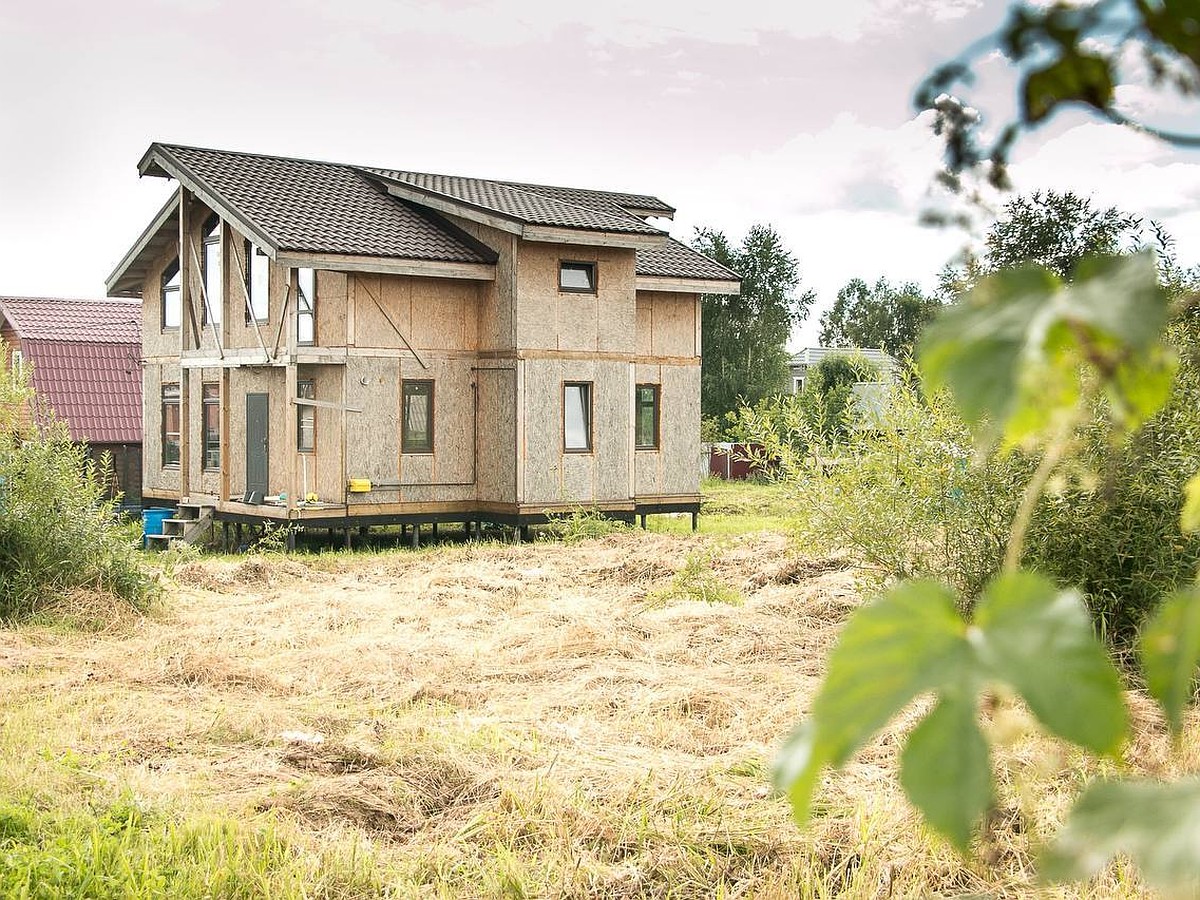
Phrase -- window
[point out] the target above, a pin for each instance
(211, 261)
(646, 416)
(258, 284)
(210, 425)
(170, 425)
(306, 418)
(577, 277)
(416, 435)
(577, 417)
(306, 307)
(172, 306)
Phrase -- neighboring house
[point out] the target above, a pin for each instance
(800, 363)
(86, 358)
(412, 348)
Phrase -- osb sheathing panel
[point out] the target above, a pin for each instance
(157, 343)
(332, 292)
(680, 429)
(280, 439)
(666, 324)
(497, 306)
(154, 476)
(497, 434)
(325, 463)
(447, 473)
(373, 436)
(432, 313)
(549, 319)
(553, 475)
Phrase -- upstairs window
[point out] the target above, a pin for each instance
(258, 284)
(172, 305)
(210, 425)
(306, 306)
(416, 435)
(646, 416)
(577, 417)
(577, 277)
(170, 426)
(306, 418)
(211, 263)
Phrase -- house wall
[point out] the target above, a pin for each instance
(497, 299)
(550, 319)
(432, 313)
(155, 478)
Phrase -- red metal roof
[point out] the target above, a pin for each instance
(86, 357)
(51, 318)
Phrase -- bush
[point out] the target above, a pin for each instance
(58, 529)
(913, 502)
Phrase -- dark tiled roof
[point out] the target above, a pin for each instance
(97, 321)
(319, 207)
(671, 259)
(643, 203)
(96, 388)
(555, 207)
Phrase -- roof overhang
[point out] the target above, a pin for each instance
(474, 213)
(128, 277)
(159, 162)
(386, 265)
(687, 285)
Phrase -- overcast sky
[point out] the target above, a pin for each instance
(795, 114)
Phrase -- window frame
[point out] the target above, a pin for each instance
(211, 234)
(637, 409)
(167, 402)
(165, 288)
(590, 266)
(210, 432)
(407, 443)
(588, 405)
(311, 313)
(306, 389)
(252, 252)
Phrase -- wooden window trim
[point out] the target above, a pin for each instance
(163, 280)
(302, 410)
(312, 304)
(212, 232)
(210, 398)
(250, 251)
(657, 388)
(592, 265)
(431, 412)
(177, 402)
(589, 410)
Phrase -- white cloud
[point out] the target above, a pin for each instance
(636, 23)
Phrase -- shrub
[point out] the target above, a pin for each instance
(58, 529)
(580, 524)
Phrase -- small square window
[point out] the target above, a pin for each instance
(577, 417)
(416, 434)
(646, 417)
(577, 277)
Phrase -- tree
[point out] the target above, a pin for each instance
(744, 337)
(883, 316)
(1057, 230)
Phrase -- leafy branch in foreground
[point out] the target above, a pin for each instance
(1025, 358)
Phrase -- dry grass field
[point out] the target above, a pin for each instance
(491, 720)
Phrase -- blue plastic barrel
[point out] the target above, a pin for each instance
(152, 521)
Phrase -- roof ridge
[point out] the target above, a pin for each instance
(587, 190)
(106, 300)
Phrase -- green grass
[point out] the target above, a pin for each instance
(733, 508)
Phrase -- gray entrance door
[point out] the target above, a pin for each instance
(256, 443)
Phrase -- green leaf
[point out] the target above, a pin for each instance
(1039, 640)
(1189, 519)
(945, 768)
(797, 769)
(1073, 77)
(1170, 651)
(910, 640)
(1156, 825)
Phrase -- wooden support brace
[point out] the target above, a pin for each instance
(204, 297)
(250, 306)
(395, 327)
